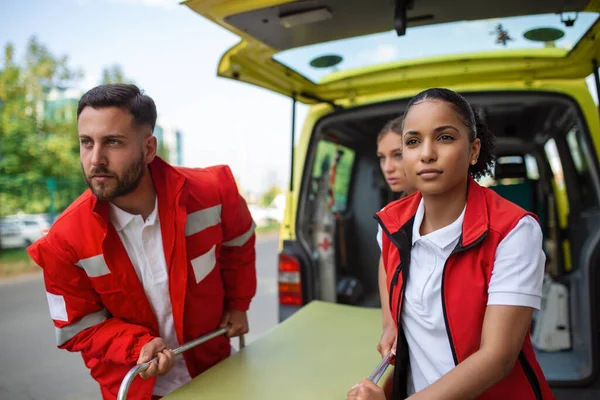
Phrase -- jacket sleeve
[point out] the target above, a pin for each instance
(80, 319)
(238, 256)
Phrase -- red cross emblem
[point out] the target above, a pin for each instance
(325, 244)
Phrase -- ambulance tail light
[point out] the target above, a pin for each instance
(290, 285)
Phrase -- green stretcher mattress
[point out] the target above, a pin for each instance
(320, 352)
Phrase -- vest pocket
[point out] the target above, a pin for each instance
(531, 377)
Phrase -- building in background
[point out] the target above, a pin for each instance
(169, 139)
(60, 104)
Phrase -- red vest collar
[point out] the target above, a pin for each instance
(400, 214)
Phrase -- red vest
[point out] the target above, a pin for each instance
(488, 219)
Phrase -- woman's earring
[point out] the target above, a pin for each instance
(474, 162)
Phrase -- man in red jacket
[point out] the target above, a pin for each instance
(150, 257)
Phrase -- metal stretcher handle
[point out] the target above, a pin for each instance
(133, 372)
(381, 367)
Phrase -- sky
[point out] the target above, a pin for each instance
(172, 54)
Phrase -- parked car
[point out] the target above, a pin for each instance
(19, 231)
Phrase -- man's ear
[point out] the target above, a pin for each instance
(150, 148)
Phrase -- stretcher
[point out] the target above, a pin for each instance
(320, 352)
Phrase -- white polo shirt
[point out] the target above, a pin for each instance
(516, 280)
(143, 242)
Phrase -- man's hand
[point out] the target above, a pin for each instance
(238, 321)
(166, 358)
(366, 390)
(387, 341)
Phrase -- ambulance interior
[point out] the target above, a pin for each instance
(546, 164)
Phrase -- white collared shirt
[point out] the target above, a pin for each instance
(143, 242)
(516, 280)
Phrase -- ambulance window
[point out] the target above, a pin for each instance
(510, 160)
(555, 163)
(560, 191)
(533, 172)
(324, 161)
(585, 180)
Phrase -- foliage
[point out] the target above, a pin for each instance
(114, 74)
(37, 128)
(268, 197)
(326, 154)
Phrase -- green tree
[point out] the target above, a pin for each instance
(326, 154)
(268, 197)
(39, 152)
(114, 74)
(163, 151)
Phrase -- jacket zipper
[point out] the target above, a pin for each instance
(530, 374)
(399, 305)
(394, 282)
(459, 248)
(399, 268)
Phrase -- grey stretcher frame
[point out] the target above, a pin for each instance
(133, 372)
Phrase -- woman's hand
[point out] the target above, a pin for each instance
(388, 340)
(366, 390)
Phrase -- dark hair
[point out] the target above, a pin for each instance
(472, 118)
(121, 95)
(395, 126)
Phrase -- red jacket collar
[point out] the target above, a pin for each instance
(475, 224)
(166, 179)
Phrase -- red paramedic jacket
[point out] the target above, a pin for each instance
(488, 219)
(97, 302)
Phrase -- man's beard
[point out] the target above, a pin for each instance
(124, 184)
